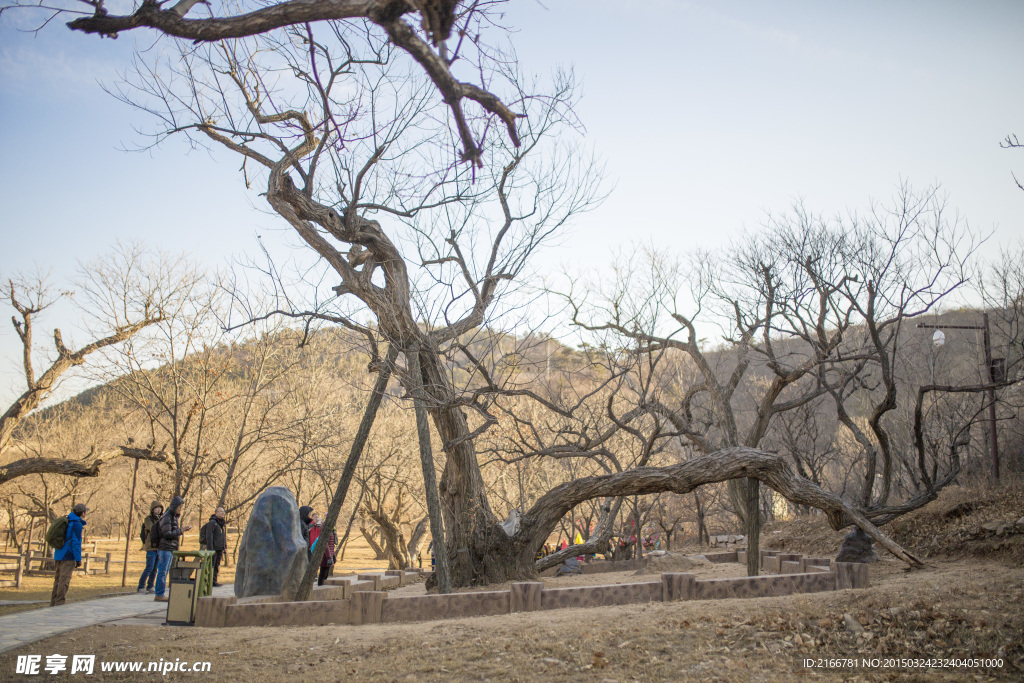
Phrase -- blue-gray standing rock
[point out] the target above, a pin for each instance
(272, 556)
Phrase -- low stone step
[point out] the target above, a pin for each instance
(357, 586)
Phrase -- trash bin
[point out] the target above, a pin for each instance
(190, 578)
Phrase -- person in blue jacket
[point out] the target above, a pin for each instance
(69, 556)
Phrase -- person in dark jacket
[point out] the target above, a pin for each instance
(170, 534)
(69, 555)
(149, 573)
(305, 520)
(212, 537)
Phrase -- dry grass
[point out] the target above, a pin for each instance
(957, 608)
(965, 604)
(85, 587)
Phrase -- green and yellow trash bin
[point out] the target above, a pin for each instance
(190, 578)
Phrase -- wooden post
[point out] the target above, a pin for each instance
(753, 526)
(989, 378)
(85, 562)
(128, 533)
(369, 414)
(28, 544)
(18, 574)
(444, 581)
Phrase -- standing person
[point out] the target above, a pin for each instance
(149, 573)
(69, 555)
(212, 537)
(170, 533)
(328, 557)
(304, 523)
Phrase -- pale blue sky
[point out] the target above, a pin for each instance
(707, 113)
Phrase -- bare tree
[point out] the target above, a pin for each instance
(899, 262)
(467, 233)
(173, 376)
(119, 295)
(810, 309)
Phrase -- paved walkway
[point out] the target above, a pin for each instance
(22, 628)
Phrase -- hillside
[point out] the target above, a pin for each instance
(967, 521)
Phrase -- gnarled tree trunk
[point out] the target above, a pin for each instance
(479, 550)
(770, 469)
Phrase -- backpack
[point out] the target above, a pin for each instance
(204, 533)
(56, 535)
(147, 528)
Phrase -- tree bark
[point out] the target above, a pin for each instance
(416, 538)
(597, 542)
(26, 466)
(392, 543)
(378, 550)
(731, 463)
(72, 468)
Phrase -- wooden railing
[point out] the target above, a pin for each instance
(23, 564)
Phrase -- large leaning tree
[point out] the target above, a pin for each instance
(357, 154)
(365, 159)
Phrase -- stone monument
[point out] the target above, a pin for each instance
(272, 555)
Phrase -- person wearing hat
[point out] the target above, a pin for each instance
(170, 535)
(156, 509)
(69, 556)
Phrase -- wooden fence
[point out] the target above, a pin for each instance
(37, 563)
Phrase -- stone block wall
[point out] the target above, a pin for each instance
(525, 596)
(600, 596)
(851, 575)
(763, 586)
(212, 611)
(451, 606)
(351, 600)
(730, 541)
(309, 613)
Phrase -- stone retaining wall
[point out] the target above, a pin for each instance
(353, 600)
(600, 596)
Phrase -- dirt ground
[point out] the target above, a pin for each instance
(918, 625)
(953, 609)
